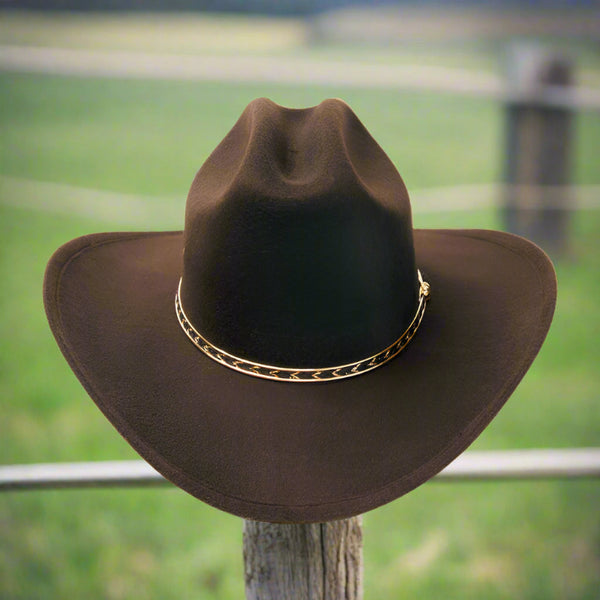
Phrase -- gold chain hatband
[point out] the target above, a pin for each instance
(304, 375)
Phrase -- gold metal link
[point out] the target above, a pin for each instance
(280, 373)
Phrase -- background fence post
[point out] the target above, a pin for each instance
(538, 146)
(317, 561)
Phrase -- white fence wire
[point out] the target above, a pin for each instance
(473, 465)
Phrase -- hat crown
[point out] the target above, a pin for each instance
(298, 245)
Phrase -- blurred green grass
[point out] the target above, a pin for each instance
(183, 32)
(466, 540)
(205, 33)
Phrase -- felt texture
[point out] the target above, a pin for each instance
(279, 267)
(287, 451)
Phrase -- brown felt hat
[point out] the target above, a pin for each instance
(299, 353)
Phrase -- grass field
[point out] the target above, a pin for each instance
(530, 540)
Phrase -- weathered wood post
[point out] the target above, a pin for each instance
(538, 147)
(317, 561)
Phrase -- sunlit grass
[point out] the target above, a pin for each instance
(186, 33)
(150, 137)
(231, 34)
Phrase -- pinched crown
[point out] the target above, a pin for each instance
(298, 240)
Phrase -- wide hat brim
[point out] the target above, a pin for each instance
(287, 451)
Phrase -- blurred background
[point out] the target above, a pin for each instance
(491, 113)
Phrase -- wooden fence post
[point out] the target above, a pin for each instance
(317, 561)
(538, 147)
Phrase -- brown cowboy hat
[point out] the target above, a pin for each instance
(299, 353)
